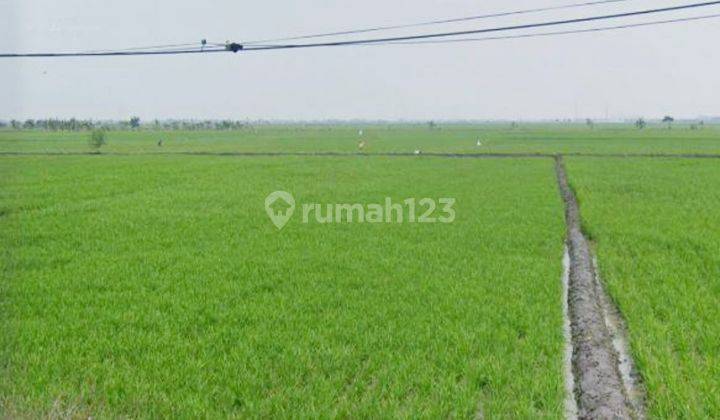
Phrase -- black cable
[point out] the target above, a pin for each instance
(149, 47)
(487, 30)
(187, 45)
(234, 47)
(435, 22)
(115, 53)
(543, 34)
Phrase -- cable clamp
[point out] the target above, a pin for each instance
(233, 46)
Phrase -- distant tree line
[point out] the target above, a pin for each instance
(198, 125)
(134, 123)
(51, 124)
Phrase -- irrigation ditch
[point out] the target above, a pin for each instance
(605, 384)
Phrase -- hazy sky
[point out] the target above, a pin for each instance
(671, 69)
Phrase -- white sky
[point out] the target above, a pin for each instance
(671, 69)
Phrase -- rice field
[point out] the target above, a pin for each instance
(156, 286)
(655, 228)
(148, 281)
(494, 138)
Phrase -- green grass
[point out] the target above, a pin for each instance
(155, 286)
(496, 138)
(655, 223)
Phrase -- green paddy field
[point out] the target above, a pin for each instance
(495, 138)
(148, 281)
(655, 225)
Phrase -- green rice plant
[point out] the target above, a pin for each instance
(655, 227)
(157, 286)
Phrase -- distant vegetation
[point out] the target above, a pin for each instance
(134, 123)
(668, 120)
(97, 139)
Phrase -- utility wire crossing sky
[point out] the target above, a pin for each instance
(604, 70)
(235, 47)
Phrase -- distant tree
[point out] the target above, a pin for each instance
(668, 120)
(432, 125)
(15, 124)
(640, 123)
(513, 124)
(97, 139)
(701, 124)
(135, 122)
(29, 124)
(590, 123)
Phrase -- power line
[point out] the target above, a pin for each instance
(543, 34)
(434, 22)
(486, 30)
(149, 47)
(201, 44)
(235, 47)
(114, 53)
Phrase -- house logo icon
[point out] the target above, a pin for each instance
(279, 206)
